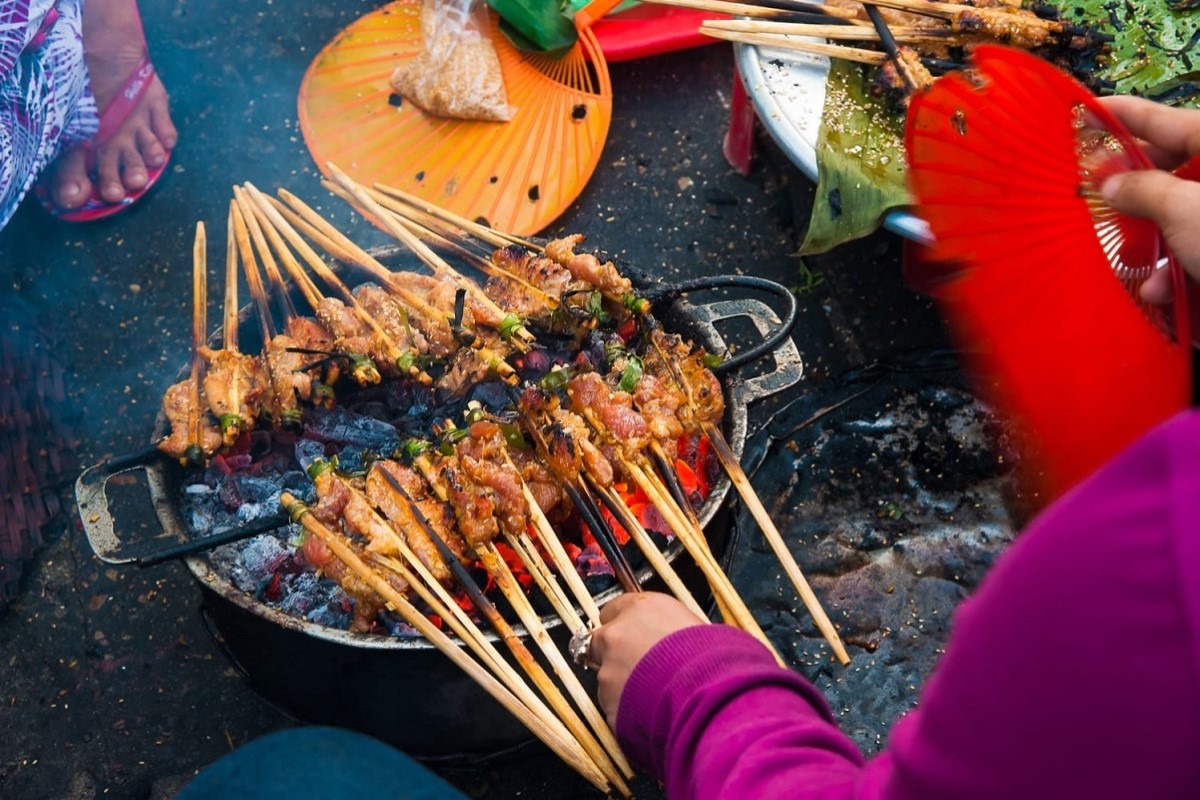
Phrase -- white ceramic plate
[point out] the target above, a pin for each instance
(788, 92)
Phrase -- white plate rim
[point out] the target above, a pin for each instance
(789, 105)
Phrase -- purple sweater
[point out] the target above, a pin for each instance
(1032, 700)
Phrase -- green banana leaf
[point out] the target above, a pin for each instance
(860, 148)
(860, 157)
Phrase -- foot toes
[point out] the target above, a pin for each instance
(133, 170)
(160, 118)
(151, 149)
(71, 187)
(108, 170)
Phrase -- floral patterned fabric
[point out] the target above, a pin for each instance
(46, 103)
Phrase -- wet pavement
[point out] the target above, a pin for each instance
(110, 685)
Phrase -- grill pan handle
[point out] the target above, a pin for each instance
(777, 333)
(96, 515)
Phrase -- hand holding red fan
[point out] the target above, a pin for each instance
(1039, 277)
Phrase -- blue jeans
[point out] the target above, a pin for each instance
(325, 763)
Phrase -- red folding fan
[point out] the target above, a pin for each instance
(1036, 275)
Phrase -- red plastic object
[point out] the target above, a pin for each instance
(648, 30)
(738, 145)
(1037, 277)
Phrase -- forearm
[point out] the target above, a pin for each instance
(710, 713)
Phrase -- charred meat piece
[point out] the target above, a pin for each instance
(352, 338)
(396, 510)
(391, 317)
(613, 410)
(474, 506)
(234, 385)
(587, 268)
(555, 285)
(310, 335)
(681, 369)
(178, 408)
(659, 407)
(569, 450)
(367, 604)
(290, 381)
(441, 292)
(547, 491)
(483, 457)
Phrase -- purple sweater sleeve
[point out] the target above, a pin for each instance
(1072, 672)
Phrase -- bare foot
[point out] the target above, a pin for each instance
(113, 45)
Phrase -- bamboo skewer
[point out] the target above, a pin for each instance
(741, 482)
(564, 749)
(241, 215)
(194, 452)
(505, 631)
(519, 543)
(511, 589)
(775, 539)
(436, 263)
(581, 499)
(524, 547)
(668, 484)
(306, 285)
(690, 536)
(341, 247)
(1003, 15)
(490, 235)
(906, 34)
(641, 537)
(418, 575)
(320, 268)
(423, 224)
(855, 54)
(254, 280)
(496, 567)
(755, 11)
(229, 329)
(558, 554)
(422, 251)
(230, 419)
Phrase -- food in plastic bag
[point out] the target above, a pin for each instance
(457, 74)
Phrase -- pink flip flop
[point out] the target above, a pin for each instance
(122, 104)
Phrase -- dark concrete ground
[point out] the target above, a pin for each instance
(109, 685)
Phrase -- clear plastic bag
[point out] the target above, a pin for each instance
(458, 73)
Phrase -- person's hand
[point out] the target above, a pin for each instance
(630, 626)
(1170, 137)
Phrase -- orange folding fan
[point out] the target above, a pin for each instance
(517, 175)
(1037, 277)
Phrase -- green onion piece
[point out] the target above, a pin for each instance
(595, 306)
(323, 393)
(613, 351)
(631, 374)
(319, 467)
(509, 326)
(230, 421)
(555, 379)
(638, 305)
(405, 362)
(414, 447)
(711, 360)
(514, 436)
